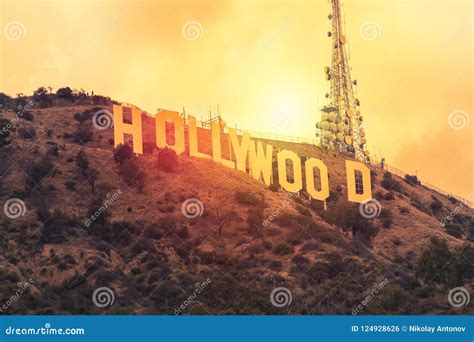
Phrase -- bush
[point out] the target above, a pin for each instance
(393, 297)
(389, 196)
(82, 163)
(27, 116)
(65, 93)
(390, 183)
(436, 205)
(404, 210)
(58, 228)
(431, 264)
(454, 230)
(27, 132)
(167, 159)
(303, 211)
(283, 249)
(70, 185)
(255, 218)
(41, 96)
(38, 171)
(387, 218)
(379, 196)
(153, 232)
(82, 134)
(348, 217)
(53, 151)
(79, 117)
(412, 180)
(5, 127)
(122, 153)
(132, 174)
(248, 198)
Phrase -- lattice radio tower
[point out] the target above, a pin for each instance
(340, 127)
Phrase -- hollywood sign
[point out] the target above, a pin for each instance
(260, 159)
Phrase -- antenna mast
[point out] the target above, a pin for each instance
(341, 120)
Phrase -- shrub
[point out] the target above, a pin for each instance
(412, 180)
(38, 171)
(389, 196)
(302, 262)
(5, 127)
(393, 297)
(41, 96)
(453, 200)
(432, 262)
(436, 205)
(255, 218)
(303, 211)
(58, 228)
(404, 210)
(27, 132)
(132, 174)
(65, 93)
(167, 159)
(379, 195)
(348, 217)
(100, 214)
(283, 249)
(153, 232)
(82, 163)
(390, 183)
(70, 185)
(248, 198)
(82, 134)
(454, 230)
(27, 116)
(397, 241)
(79, 117)
(387, 218)
(53, 150)
(183, 233)
(122, 153)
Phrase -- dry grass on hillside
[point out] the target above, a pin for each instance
(151, 255)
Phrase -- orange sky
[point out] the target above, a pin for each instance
(257, 59)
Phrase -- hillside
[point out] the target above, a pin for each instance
(154, 258)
